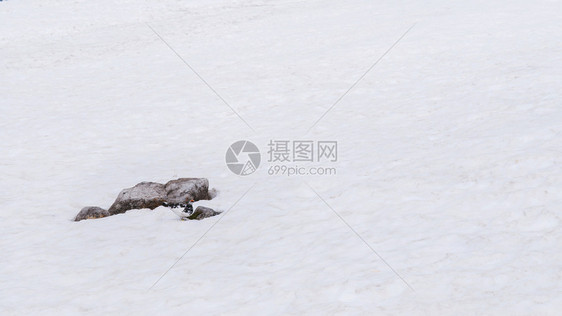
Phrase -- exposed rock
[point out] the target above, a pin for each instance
(151, 195)
(213, 193)
(203, 212)
(90, 212)
(143, 195)
(185, 189)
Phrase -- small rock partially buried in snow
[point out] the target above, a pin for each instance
(90, 212)
(202, 212)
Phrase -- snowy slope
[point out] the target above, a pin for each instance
(449, 156)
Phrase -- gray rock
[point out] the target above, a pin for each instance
(143, 195)
(213, 193)
(185, 189)
(151, 195)
(90, 212)
(203, 212)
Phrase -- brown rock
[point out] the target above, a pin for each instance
(185, 189)
(202, 212)
(90, 212)
(143, 195)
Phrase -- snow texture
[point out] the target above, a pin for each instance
(449, 161)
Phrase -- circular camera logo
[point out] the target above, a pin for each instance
(243, 158)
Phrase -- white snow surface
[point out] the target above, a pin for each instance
(449, 156)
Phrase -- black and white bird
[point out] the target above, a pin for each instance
(183, 214)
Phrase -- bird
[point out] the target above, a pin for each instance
(187, 208)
